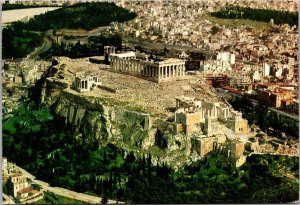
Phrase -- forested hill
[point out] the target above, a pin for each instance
(6, 7)
(19, 40)
(79, 16)
(265, 15)
(41, 143)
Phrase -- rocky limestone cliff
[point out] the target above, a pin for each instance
(107, 121)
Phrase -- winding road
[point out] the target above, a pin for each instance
(44, 47)
(66, 192)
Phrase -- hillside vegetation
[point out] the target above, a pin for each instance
(6, 7)
(19, 43)
(41, 144)
(264, 15)
(19, 40)
(80, 16)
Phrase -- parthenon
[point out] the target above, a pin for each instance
(157, 71)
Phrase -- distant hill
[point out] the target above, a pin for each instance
(19, 40)
(264, 15)
(79, 16)
(6, 7)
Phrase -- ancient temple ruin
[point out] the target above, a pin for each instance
(85, 83)
(108, 50)
(153, 70)
(200, 116)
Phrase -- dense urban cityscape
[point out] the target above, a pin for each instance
(159, 101)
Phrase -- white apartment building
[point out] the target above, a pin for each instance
(215, 66)
(226, 56)
(255, 76)
(265, 69)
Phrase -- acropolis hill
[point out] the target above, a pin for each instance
(151, 97)
(177, 120)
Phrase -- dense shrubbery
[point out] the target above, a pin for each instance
(265, 15)
(292, 108)
(44, 147)
(19, 43)
(83, 15)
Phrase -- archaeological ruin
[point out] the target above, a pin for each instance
(200, 116)
(85, 83)
(156, 71)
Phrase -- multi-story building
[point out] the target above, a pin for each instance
(7, 169)
(274, 97)
(215, 66)
(265, 69)
(17, 186)
(226, 57)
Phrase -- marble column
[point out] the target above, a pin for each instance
(152, 71)
(159, 72)
(147, 70)
(173, 71)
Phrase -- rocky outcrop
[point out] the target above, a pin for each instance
(106, 121)
(97, 121)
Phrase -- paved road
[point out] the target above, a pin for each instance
(44, 47)
(255, 102)
(284, 113)
(65, 192)
(295, 117)
(273, 153)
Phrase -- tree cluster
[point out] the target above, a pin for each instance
(265, 15)
(47, 148)
(80, 16)
(19, 39)
(19, 43)
(260, 114)
(6, 7)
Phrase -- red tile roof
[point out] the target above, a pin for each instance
(230, 89)
(24, 190)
